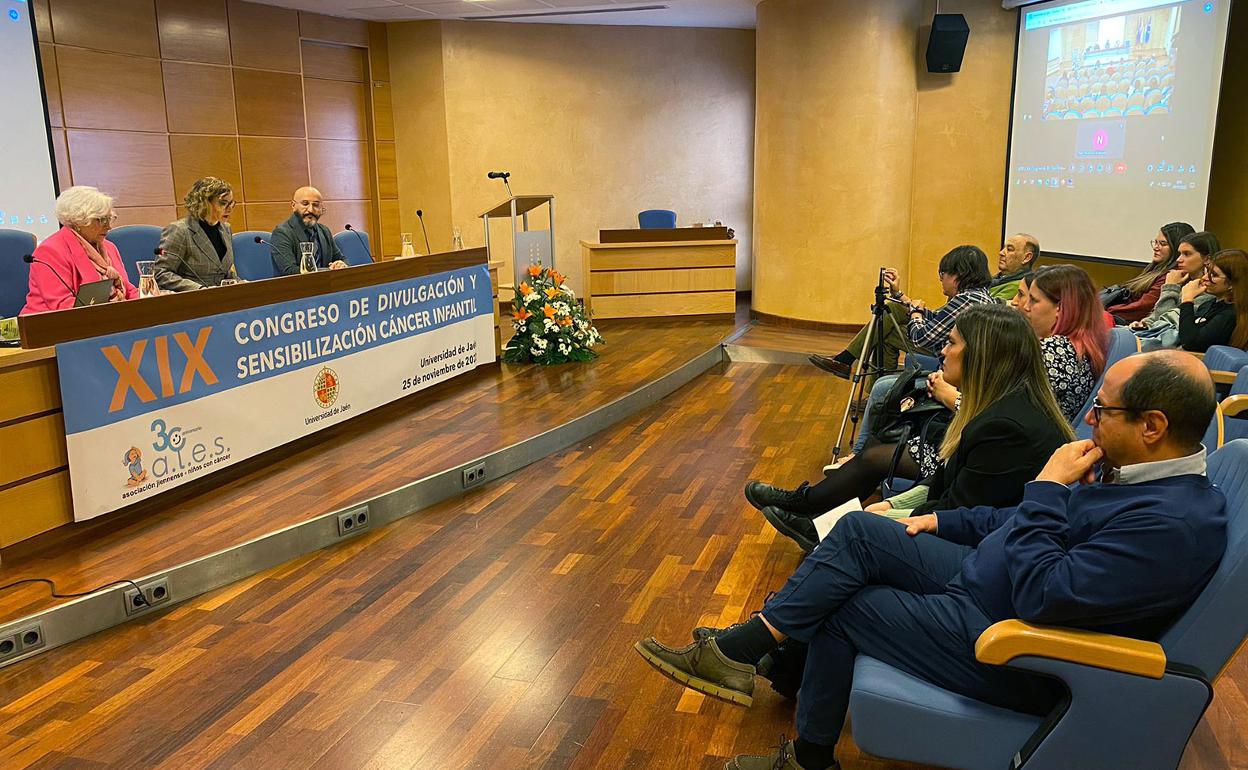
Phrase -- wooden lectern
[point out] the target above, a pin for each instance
(526, 245)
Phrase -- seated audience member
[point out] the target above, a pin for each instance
(1005, 427)
(198, 251)
(1224, 321)
(1160, 328)
(964, 279)
(304, 226)
(1016, 259)
(1116, 556)
(77, 254)
(1135, 299)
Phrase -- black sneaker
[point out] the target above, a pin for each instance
(793, 525)
(762, 495)
(833, 366)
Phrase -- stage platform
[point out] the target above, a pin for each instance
(432, 433)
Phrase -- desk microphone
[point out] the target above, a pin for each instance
(159, 252)
(360, 238)
(31, 259)
(266, 243)
(421, 216)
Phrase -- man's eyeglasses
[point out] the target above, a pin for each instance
(317, 205)
(1098, 407)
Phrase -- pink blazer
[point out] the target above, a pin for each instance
(63, 251)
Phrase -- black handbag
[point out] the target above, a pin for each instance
(1114, 295)
(906, 409)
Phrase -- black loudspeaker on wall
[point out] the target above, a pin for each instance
(947, 42)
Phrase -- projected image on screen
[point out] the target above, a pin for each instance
(1115, 103)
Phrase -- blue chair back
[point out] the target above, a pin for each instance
(253, 261)
(656, 219)
(14, 273)
(1122, 343)
(135, 243)
(1212, 629)
(354, 246)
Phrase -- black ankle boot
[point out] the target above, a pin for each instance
(762, 496)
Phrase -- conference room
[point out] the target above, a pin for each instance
(777, 384)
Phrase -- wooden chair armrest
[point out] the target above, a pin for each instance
(1222, 378)
(1003, 642)
(1234, 406)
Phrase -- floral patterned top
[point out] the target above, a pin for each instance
(1070, 375)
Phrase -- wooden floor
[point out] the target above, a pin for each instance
(442, 428)
(493, 631)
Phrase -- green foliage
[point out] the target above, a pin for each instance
(551, 326)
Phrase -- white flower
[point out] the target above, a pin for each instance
(550, 325)
(568, 289)
(562, 308)
(539, 343)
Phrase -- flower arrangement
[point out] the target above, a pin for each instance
(551, 326)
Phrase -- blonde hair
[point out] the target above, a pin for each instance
(1002, 355)
(201, 195)
(81, 205)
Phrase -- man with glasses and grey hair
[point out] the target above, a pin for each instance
(1125, 553)
(304, 227)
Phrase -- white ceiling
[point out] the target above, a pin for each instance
(664, 13)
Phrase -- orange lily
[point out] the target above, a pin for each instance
(549, 311)
(535, 270)
(521, 314)
(565, 322)
(552, 293)
(557, 277)
(525, 289)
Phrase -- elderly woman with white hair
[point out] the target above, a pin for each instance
(77, 254)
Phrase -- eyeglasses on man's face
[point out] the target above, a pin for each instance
(1098, 407)
(314, 205)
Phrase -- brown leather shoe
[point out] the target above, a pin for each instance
(832, 366)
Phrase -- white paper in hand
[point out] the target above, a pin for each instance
(825, 522)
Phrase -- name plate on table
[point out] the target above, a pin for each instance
(152, 409)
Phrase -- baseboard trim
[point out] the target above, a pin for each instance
(802, 323)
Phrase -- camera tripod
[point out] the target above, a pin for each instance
(870, 365)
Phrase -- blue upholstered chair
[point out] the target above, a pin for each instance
(252, 260)
(14, 273)
(656, 219)
(1230, 422)
(1224, 363)
(1122, 343)
(1132, 704)
(136, 243)
(354, 246)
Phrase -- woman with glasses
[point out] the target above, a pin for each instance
(197, 252)
(1160, 328)
(1134, 299)
(77, 254)
(1224, 321)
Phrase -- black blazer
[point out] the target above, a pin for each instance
(284, 245)
(1001, 449)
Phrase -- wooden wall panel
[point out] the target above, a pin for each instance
(383, 113)
(339, 169)
(133, 168)
(268, 103)
(45, 504)
(145, 215)
(378, 52)
(314, 26)
(263, 36)
(43, 21)
(265, 216)
(31, 447)
(61, 150)
(29, 388)
(193, 157)
(387, 171)
(51, 84)
(391, 244)
(356, 213)
(120, 26)
(335, 62)
(193, 30)
(273, 168)
(336, 110)
(106, 90)
(199, 98)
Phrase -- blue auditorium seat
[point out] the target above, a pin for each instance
(354, 245)
(656, 219)
(135, 243)
(14, 273)
(1122, 343)
(1112, 718)
(253, 261)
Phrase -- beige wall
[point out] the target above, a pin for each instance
(610, 120)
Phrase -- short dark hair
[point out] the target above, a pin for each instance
(1186, 401)
(1205, 243)
(969, 264)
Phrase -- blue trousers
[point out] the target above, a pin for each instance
(871, 589)
(875, 402)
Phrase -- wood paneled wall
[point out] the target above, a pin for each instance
(146, 96)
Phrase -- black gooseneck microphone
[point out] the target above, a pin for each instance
(503, 175)
(358, 237)
(421, 216)
(32, 259)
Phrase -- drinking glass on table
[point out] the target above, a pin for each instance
(147, 278)
(228, 281)
(407, 249)
(307, 258)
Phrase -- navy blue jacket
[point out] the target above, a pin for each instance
(1124, 559)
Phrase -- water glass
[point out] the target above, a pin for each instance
(147, 278)
(307, 258)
